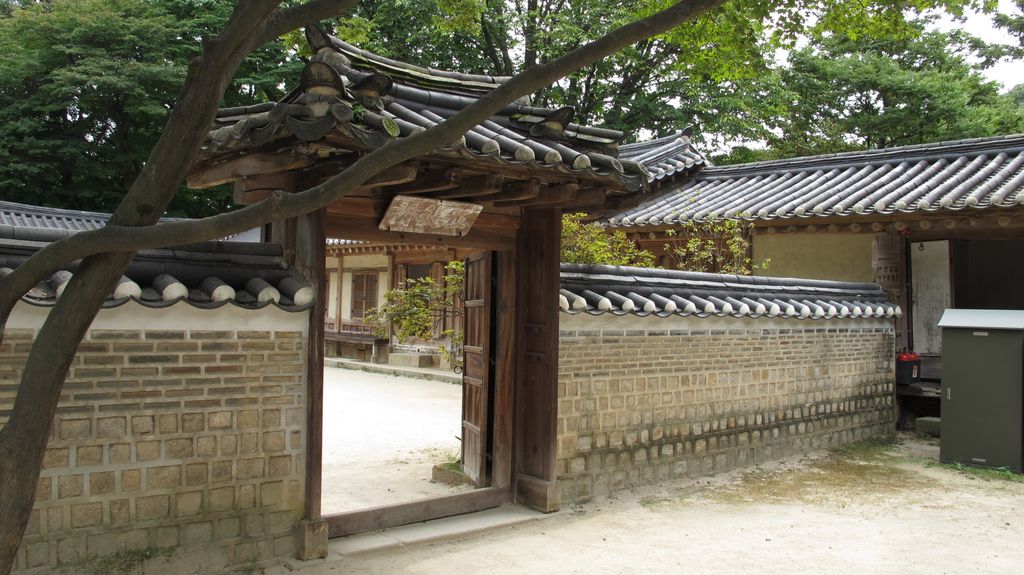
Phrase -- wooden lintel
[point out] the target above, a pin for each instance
(359, 207)
(549, 195)
(442, 180)
(246, 166)
(519, 190)
(472, 187)
(953, 226)
(365, 229)
(587, 198)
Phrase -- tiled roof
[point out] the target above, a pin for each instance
(947, 176)
(381, 99)
(596, 289)
(51, 223)
(205, 275)
(39, 223)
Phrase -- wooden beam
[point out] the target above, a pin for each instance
(473, 187)
(375, 518)
(519, 190)
(364, 207)
(549, 195)
(256, 188)
(245, 166)
(363, 228)
(431, 182)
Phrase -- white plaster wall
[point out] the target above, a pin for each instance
(180, 316)
(346, 295)
(332, 293)
(930, 293)
(366, 261)
(383, 285)
(826, 256)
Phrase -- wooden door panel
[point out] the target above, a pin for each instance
(476, 378)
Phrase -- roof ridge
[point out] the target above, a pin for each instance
(631, 273)
(938, 149)
(383, 63)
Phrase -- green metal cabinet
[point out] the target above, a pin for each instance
(982, 389)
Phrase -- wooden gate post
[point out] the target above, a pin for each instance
(310, 259)
(537, 391)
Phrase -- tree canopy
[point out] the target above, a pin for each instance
(868, 92)
(587, 243)
(87, 85)
(252, 24)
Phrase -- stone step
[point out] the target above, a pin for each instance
(928, 426)
(411, 359)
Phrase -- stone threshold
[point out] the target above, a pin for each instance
(424, 532)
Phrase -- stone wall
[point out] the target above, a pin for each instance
(643, 399)
(188, 431)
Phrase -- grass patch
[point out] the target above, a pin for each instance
(983, 473)
(868, 450)
(122, 562)
(861, 471)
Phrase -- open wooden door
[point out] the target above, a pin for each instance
(476, 378)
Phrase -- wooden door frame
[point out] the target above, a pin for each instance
(524, 431)
(504, 351)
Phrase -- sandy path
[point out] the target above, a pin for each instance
(382, 436)
(862, 513)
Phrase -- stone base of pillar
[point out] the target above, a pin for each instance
(311, 539)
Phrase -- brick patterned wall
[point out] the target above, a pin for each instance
(170, 437)
(646, 399)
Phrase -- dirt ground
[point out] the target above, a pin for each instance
(382, 436)
(866, 509)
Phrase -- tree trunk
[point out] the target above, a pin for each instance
(23, 438)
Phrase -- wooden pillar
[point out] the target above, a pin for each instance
(309, 256)
(537, 390)
(505, 363)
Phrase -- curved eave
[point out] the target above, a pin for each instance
(161, 304)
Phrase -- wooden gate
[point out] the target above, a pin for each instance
(476, 378)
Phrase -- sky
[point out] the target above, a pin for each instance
(1009, 74)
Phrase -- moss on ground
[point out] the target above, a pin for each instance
(864, 471)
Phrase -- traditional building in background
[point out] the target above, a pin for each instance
(935, 224)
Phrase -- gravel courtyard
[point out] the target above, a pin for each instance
(382, 436)
(867, 509)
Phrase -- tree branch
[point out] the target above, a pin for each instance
(114, 238)
(288, 19)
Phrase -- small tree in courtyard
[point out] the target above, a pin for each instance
(719, 246)
(417, 311)
(588, 243)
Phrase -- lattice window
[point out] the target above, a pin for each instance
(364, 293)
